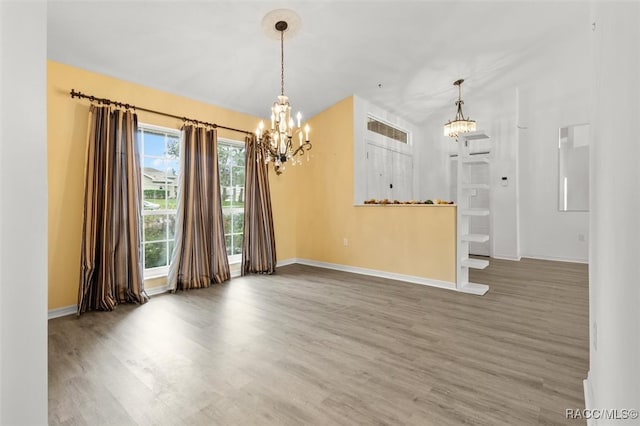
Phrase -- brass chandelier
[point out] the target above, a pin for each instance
(459, 124)
(278, 144)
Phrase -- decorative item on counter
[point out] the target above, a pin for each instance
(387, 201)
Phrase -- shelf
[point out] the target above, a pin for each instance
(474, 136)
(468, 185)
(475, 212)
(475, 161)
(475, 186)
(474, 288)
(475, 263)
(475, 238)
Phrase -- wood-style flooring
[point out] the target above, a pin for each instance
(310, 346)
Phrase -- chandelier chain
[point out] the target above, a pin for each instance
(282, 62)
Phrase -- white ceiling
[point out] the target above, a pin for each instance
(217, 51)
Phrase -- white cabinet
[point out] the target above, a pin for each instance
(468, 189)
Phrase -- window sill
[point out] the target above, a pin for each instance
(160, 273)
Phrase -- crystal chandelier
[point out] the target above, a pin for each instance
(459, 124)
(277, 144)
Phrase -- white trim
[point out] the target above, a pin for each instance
(62, 312)
(377, 273)
(161, 129)
(512, 258)
(155, 273)
(154, 291)
(286, 262)
(588, 399)
(555, 259)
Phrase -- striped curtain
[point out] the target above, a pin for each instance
(259, 244)
(111, 262)
(200, 256)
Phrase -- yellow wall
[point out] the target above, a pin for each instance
(411, 240)
(67, 139)
(312, 204)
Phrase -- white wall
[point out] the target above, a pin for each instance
(557, 96)
(431, 169)
(614, 270)
(434, 174)
(498, 118)
(23, 217)
(429, 159)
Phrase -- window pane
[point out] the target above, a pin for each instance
(238, 222)
(238, 176)
(173, 147)
(170, 252)
(171, 222)
(225, 177)
(155, 227)
(155, 255)
(171, 189)
(153, 144)
(154, 185)
(237, 244)
(227, 241)
(226, 221)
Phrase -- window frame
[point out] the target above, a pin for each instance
(159, 271)
(233, 258)
(162, 271)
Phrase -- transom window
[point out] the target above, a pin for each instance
(388, 130)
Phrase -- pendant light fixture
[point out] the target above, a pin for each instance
(459, 124)
(285, 140)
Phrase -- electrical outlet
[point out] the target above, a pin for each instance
(345, 242)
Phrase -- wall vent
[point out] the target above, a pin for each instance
(387, 130)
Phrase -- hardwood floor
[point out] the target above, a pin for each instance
(315, 346)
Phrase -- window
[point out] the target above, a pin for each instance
(160, 158)
(231, 158)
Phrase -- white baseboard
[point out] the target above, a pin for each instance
(555, 259)
(69, 310)
(286, 262)
(512, 258)
(588, 400)
(62, 312)
(154, 291)
(377, 273)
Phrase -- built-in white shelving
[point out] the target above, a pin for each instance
(467, 189)
(475, 238)
(475, 263)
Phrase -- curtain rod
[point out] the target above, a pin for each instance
(106, 101)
